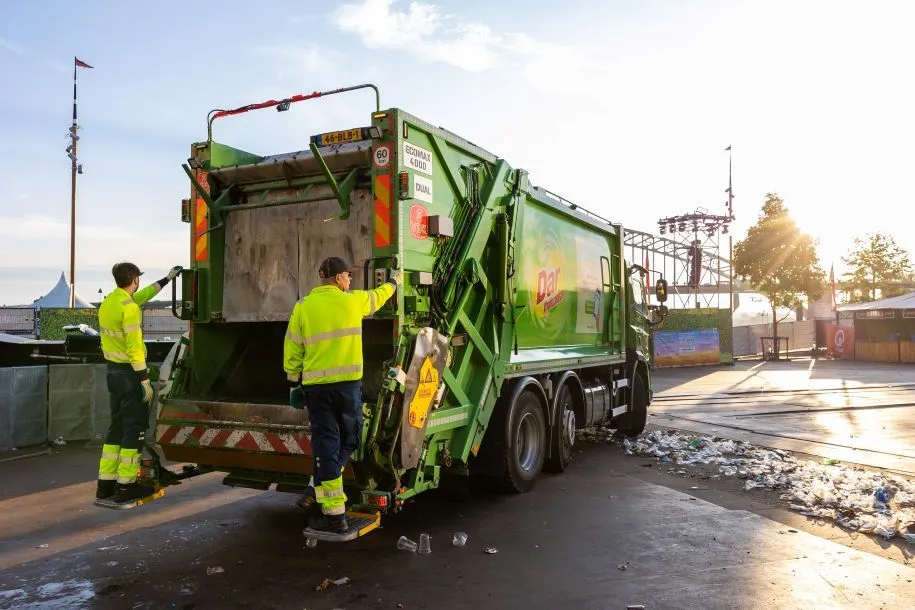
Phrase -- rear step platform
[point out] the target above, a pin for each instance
(359, 524)
(106, 503)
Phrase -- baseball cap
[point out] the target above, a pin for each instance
(334, 265)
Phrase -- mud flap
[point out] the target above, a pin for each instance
(359, 524)
(106, 503)
(424, 377)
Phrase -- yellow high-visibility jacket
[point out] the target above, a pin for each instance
(324, 338)
(120, 325)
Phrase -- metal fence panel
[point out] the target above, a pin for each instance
(70, 401)
(801, 335)
(101, 410)
(17, 320)
(742, 343)
(160, 323)
(804, 334)
(23, 406)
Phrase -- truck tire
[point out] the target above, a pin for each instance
(515, 444)
(525, 451)
(564, 427)
(632, 423)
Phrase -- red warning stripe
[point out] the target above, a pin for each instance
(298, 443)
(201, 242)
(382, 210)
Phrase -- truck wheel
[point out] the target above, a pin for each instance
(563, 430)
(632, 423)
(525, 450)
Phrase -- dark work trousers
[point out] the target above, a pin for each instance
(335, 416)
(129, 414)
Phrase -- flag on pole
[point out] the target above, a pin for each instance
(728, 148)
(647, 275)
(80, 63)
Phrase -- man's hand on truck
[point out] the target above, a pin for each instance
(173, 273)
(397, 276)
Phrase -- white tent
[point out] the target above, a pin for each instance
(903, 301)
(59, 296)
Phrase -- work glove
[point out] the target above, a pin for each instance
(297, 397)
(173, 273)
(146, 387)
(396, 276)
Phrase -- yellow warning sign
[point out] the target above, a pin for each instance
(422, 400)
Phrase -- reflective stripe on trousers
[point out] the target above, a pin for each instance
(108, 464)
(129, 468)
(331, 497)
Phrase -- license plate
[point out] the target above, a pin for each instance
(340, 137)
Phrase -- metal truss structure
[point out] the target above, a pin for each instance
(691, 261)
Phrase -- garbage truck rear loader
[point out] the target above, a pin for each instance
(517, 324)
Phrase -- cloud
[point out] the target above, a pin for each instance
(309, 59)
(424, 31)
(9, 45)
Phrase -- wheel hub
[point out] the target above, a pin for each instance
(568, 426)
(527, 442)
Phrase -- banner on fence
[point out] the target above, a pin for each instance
(841, 340)
(687, 347)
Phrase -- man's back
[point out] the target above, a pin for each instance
(327, 324)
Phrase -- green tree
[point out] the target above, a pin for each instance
(875, 261)
(779, 260)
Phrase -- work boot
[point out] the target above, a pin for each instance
(131, 492)
(334, 524)
(105, 489)
(309, 502)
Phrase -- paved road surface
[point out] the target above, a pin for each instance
(562, 545)
(856, 412)
(606, 534)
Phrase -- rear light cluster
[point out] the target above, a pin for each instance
(377, 500)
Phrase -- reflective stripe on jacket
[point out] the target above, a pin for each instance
(324, 338)
(120, 325)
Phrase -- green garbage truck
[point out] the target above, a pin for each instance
(517, 324)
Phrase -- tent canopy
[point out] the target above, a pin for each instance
(59, 296)
(904, 301)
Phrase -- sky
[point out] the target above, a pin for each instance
(624, 107)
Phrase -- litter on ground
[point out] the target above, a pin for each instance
(854, 498)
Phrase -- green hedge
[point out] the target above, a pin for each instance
(54, 319)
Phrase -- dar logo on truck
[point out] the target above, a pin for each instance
(548, 293)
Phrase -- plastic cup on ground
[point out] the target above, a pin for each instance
(405, 544)
(460, 539)
(425, 547)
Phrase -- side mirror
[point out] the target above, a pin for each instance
(660, 290)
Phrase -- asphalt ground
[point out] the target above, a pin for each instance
(612, 531)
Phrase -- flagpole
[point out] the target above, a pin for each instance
(75, 168)
(730, 237)
(73, 158)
